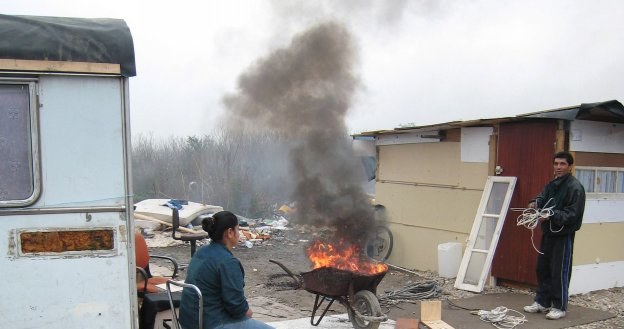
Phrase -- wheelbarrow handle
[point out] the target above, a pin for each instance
(292, 275)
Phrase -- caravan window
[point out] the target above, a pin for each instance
(601, 179)
(19, 180)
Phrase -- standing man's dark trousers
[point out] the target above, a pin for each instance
(554, 269)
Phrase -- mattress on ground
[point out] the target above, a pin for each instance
(158, 209)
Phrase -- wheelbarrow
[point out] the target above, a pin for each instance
(356, 291)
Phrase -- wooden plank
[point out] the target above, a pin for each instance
(430, 310)
(404, 323)
(431, 315)
(591, 159)
(493, 146)
(59, 66)
(437, 324)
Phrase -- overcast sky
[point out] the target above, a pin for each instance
(420, 61)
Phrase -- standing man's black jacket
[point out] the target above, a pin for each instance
(566, 193)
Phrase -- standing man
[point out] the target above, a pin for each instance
(566, 196)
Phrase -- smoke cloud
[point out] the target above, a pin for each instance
(304, 92)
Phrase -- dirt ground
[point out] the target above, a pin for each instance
(267, 280)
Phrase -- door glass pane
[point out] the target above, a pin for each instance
(496, 198)
(475, 267)
(16, 174)
(486, 233)
(620, 182)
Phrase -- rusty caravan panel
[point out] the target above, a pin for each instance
(64, 241)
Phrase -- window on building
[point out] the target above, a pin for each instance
(601, 179)
(19, 181)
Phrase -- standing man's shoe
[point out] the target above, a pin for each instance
(555, 314)
(536, 308)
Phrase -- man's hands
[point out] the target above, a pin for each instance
(541, 217)
(249, 313)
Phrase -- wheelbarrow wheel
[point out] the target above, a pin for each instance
(367, 304)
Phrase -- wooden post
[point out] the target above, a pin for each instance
(493, 148)
(560, 137)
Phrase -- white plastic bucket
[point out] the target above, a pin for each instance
(449, 258)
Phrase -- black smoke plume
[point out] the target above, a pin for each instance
(304, 92)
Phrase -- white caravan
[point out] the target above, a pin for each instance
(66, 242)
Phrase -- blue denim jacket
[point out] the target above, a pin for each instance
(221, 278)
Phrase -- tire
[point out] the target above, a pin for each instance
(366, 303)
(379, 246)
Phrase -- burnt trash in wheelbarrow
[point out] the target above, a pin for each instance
(355, 290)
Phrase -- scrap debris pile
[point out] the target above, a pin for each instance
(258, 231)
(153, 218)
(252, 232)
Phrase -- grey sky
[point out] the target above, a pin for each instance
(420, 61)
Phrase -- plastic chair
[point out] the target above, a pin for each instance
(153, 298)
(200, 303)
(190, 237)
(149, 282)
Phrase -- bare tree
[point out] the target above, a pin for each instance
(241, 171)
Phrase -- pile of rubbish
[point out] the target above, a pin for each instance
(258, 231)
(153, 218)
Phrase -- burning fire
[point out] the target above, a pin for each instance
(343, 256)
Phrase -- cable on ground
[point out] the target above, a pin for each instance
(451, 304)
(500, 318)
(411, 293)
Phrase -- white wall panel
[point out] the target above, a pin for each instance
(81, 141)
(603, 211)
(475, 144)
(591, 277)
(592, 136)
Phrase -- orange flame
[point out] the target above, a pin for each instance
(343, 256)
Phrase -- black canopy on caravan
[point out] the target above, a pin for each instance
(65, 39)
